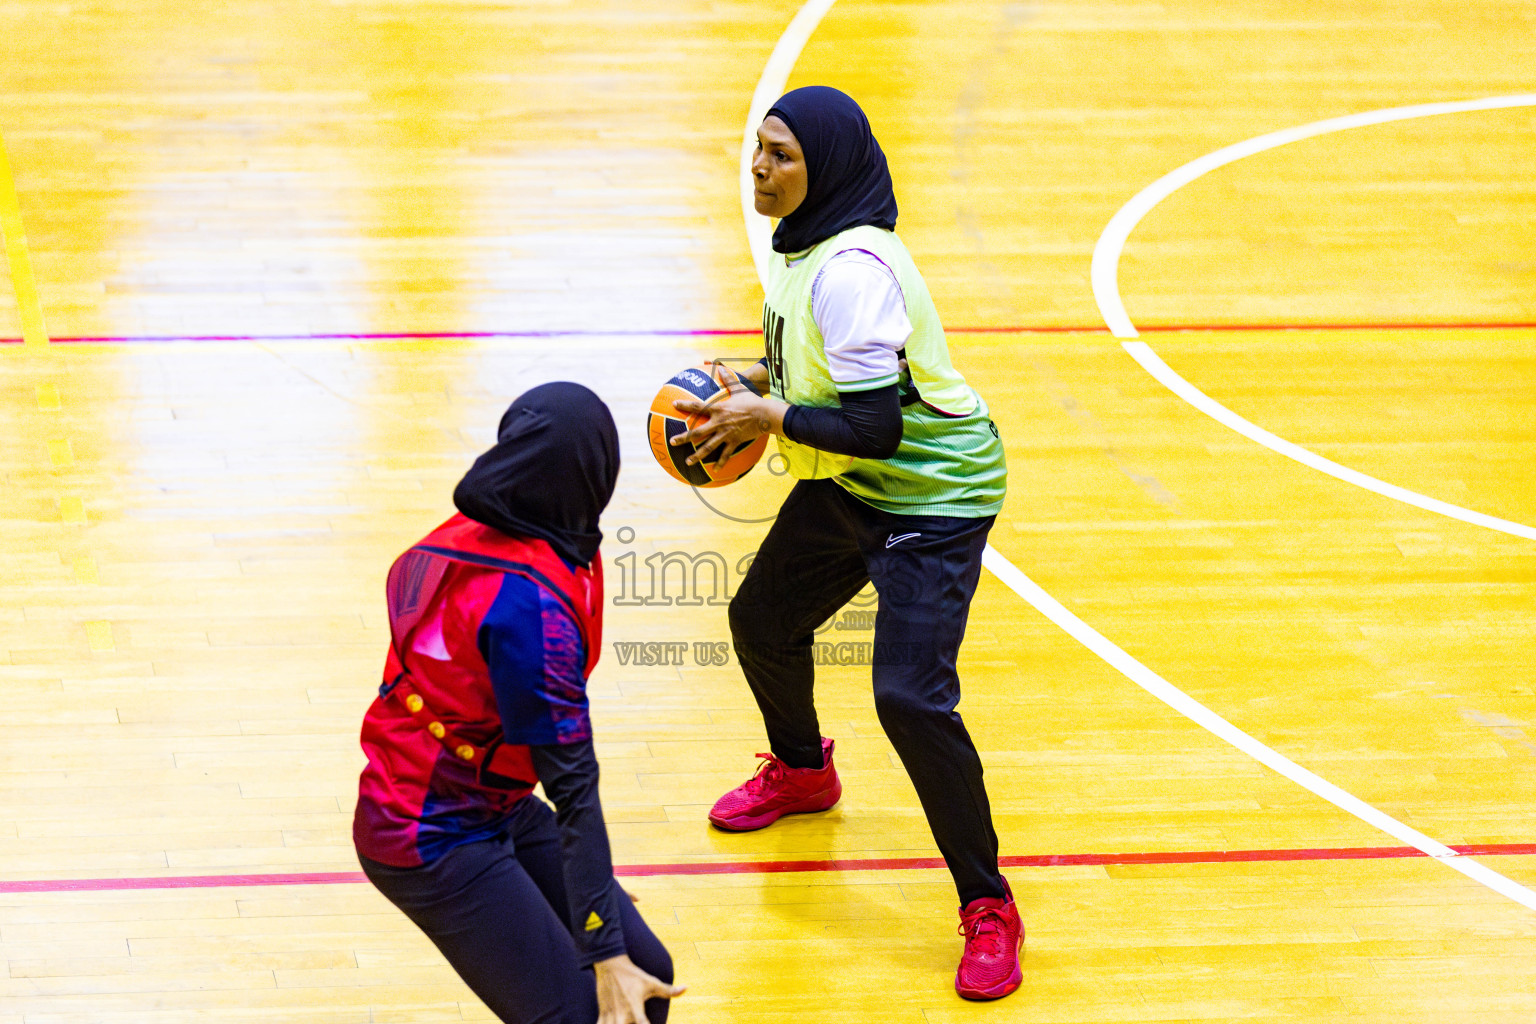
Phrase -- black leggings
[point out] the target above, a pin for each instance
(823, 548)
(496, 910)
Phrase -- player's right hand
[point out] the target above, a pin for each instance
(623, 988)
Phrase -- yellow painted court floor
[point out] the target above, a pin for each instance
(280, 267)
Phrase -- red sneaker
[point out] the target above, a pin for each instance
(777, 790)
(989, 967)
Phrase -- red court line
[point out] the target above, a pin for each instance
(1239, 328)
(400, 336)
(713, 332)
(779, 866)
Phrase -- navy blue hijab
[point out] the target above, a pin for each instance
(551, 473)
(848, 183)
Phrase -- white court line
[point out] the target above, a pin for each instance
(769, 87)
(1106, 292)
(1106, 252)
(1150, 362)
(1207, 719)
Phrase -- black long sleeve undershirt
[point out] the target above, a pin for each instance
(866, 426)
(569, 774)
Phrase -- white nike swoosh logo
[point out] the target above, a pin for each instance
(897, 540)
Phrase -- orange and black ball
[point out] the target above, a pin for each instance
(664, 422)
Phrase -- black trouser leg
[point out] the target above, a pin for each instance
(926, 581)
(822, 549)
(490, 908)
(537, 838)
(808, 567)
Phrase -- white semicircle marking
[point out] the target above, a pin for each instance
(769, 87)
(1105, 277)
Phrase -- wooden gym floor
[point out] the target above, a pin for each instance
(279, 266)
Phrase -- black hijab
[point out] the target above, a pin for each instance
(551, 473)
(847, 182)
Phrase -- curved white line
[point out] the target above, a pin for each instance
(1165, 375)
(1106, 252)
(1203, 716)
(769, 87)
(1106, 292)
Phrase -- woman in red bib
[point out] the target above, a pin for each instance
(495, 623)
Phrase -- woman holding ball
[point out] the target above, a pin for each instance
(900, 475)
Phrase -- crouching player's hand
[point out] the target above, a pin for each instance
(623, 988)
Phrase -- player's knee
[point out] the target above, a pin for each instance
(741, 618)
(753, 622)
(753, 638)
(901, 709)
